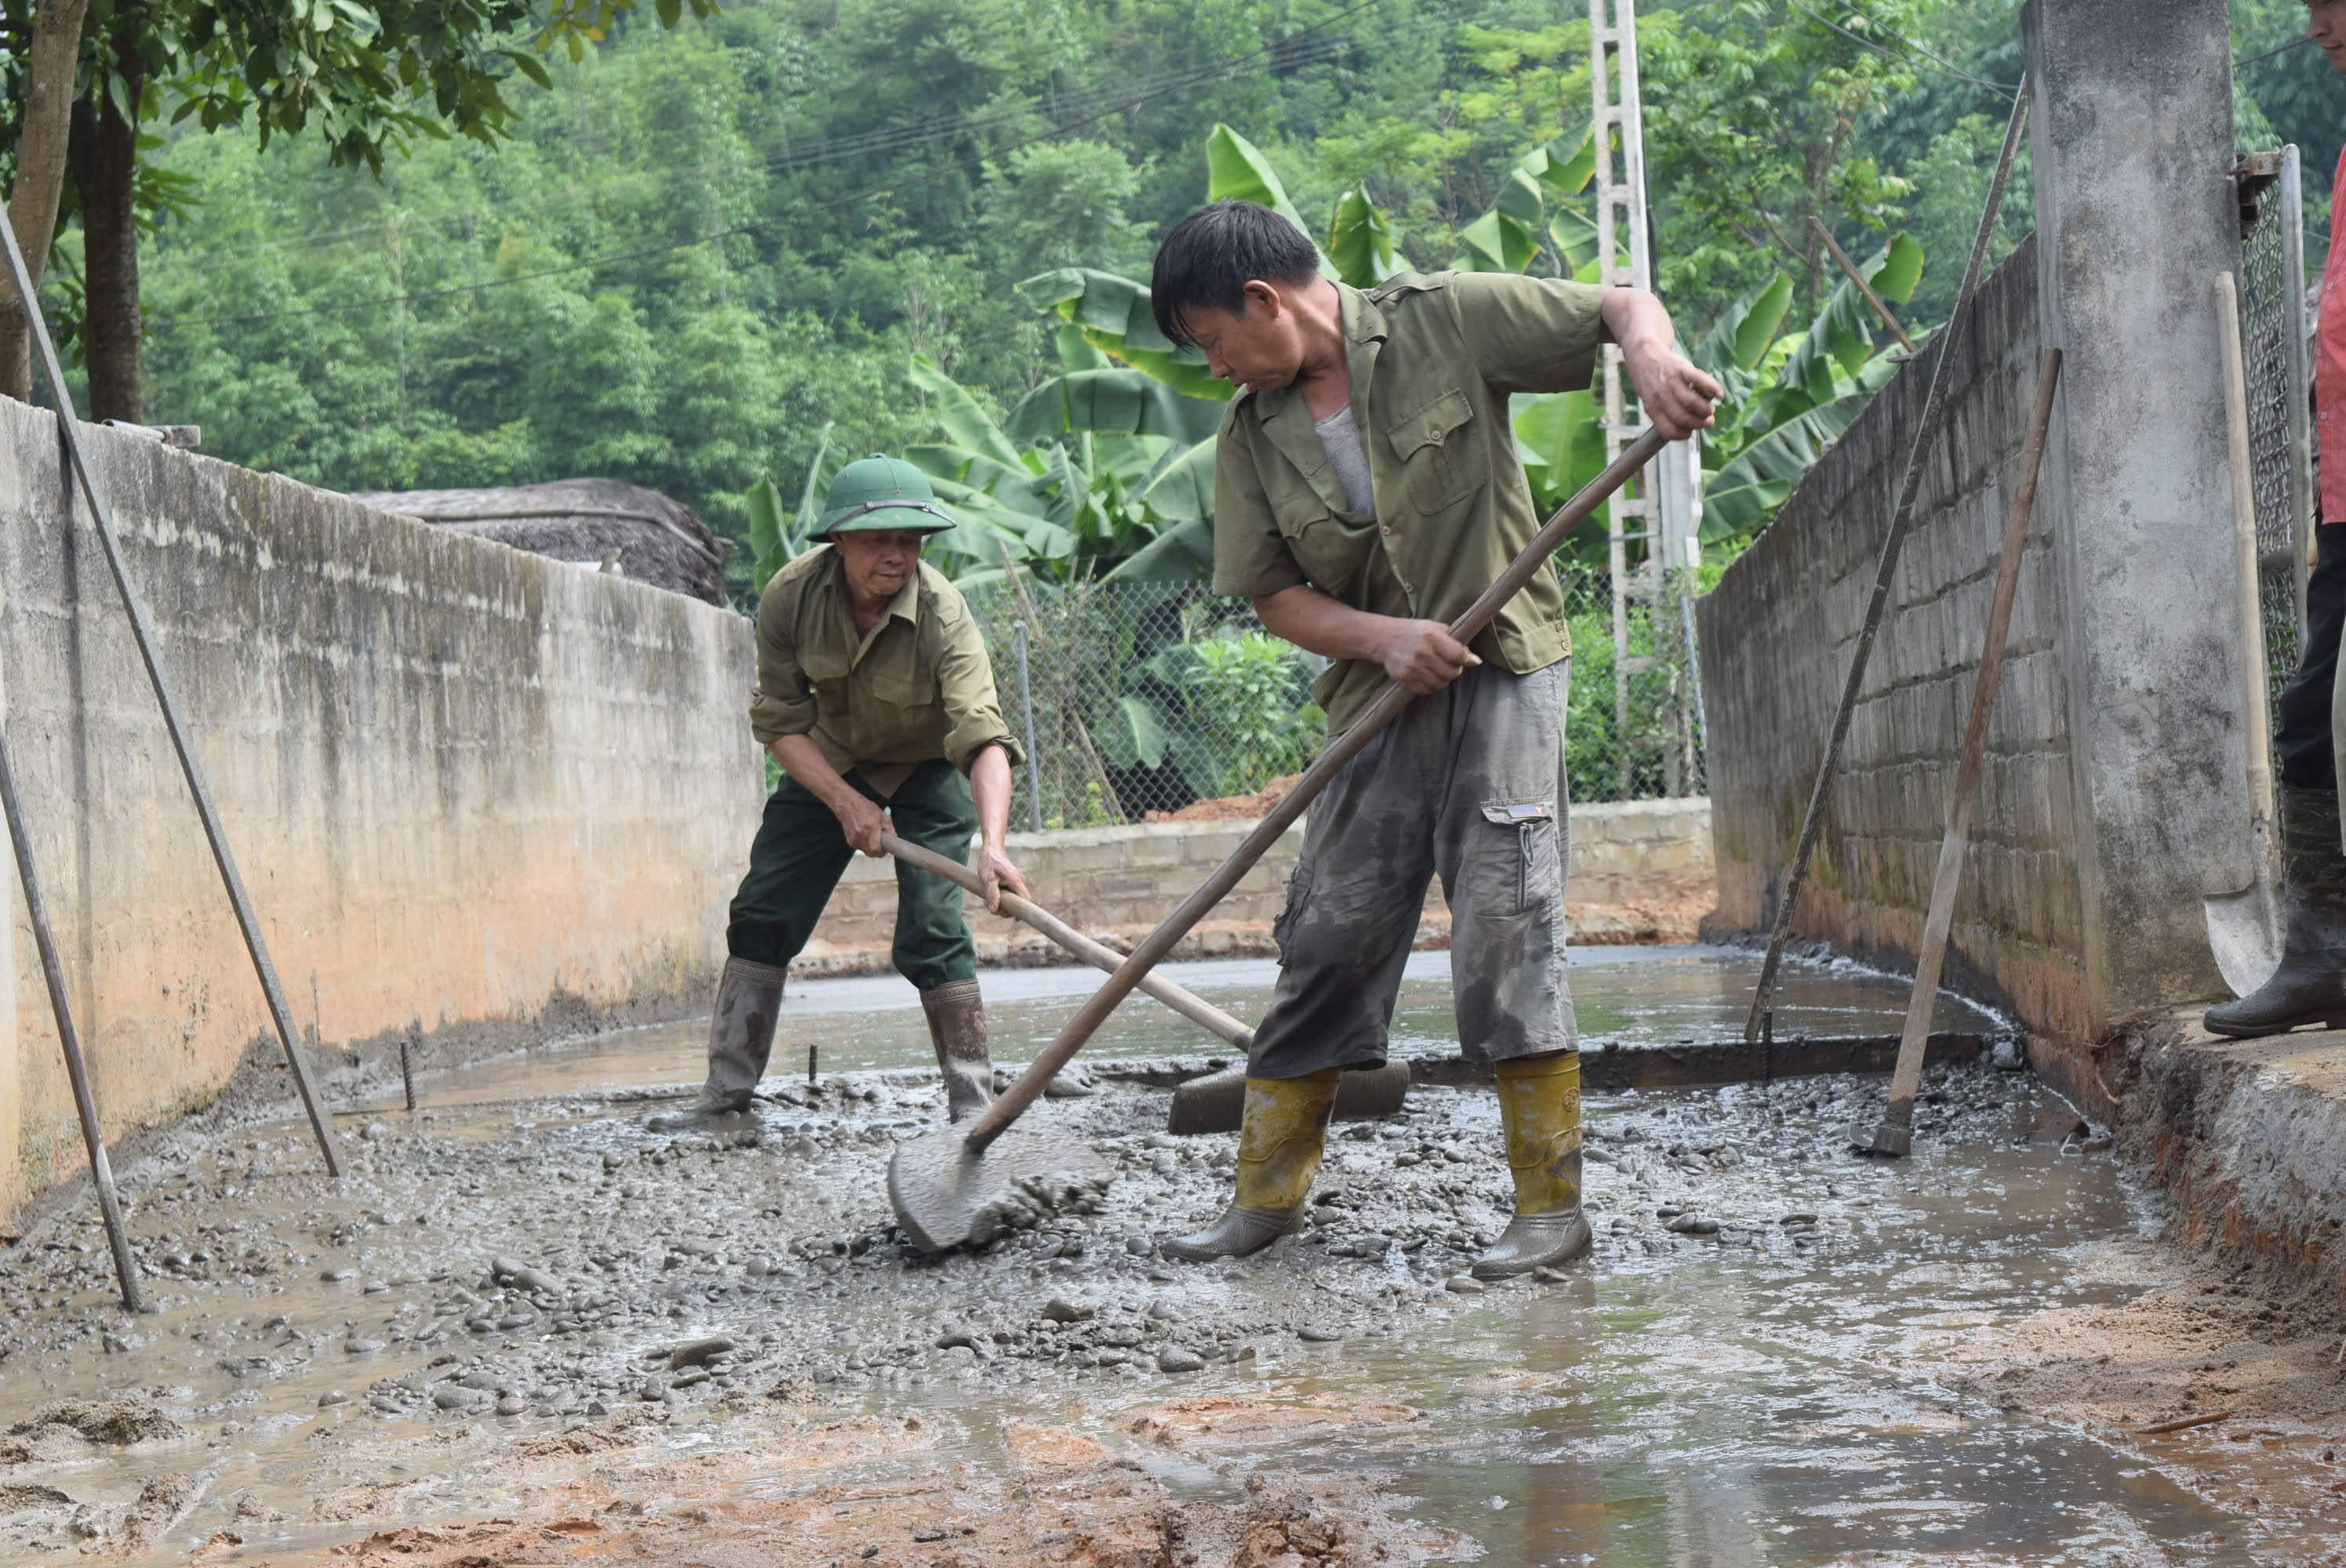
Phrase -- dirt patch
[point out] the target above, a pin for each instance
(104, 1420)
(1229, 807)
(1221, 1421)
(1093, 1511)
(2262, 1389)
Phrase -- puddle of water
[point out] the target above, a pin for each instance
(1637, 996)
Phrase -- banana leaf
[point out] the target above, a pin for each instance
(1120, 400)
(1237, 171)
(1843, 334)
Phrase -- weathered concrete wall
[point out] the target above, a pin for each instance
(1777, 637)
(2131, 129)
(464, 783)
(1641, 871)
(2114, 794)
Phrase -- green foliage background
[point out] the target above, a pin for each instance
(883, 172)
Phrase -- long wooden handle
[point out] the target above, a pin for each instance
(1908, 1075)
(2254, 709)
(1195, 1008)
(1533, 561)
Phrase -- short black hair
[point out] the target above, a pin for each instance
(1208, 259)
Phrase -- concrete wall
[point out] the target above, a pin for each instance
(464, 783)
(2114, 794)
(1641, 871)
(1777, 637)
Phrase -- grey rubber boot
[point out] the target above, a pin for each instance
(2310, 986)
(956, 1014)
(740, 1037)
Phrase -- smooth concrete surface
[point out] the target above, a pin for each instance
(465, 785)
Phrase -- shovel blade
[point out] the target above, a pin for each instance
(2244, 934)
(944, 1193)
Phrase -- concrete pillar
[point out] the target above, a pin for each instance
(2131, 132)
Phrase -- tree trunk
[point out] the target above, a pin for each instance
(105, 155)
(40, 171)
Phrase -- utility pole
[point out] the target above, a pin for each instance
(1661, 509)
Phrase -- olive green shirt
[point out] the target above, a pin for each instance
(915, 688)
(1433, 361)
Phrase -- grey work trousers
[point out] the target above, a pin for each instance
(1468, 782)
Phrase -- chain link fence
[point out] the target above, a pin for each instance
(1142, 701)
(2275, 324)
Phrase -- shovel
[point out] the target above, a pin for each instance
(2244, 927)
(943, 1183)
(1208, 1104)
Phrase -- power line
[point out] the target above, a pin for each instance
(780, 159)
(1941, 70)
(645, 253)
(2301, 39)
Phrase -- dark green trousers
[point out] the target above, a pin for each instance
(801, 853)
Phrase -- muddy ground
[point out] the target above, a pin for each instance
(539, 1332)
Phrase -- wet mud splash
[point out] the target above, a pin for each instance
(531, 1331)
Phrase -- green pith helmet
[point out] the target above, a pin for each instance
(873, 496)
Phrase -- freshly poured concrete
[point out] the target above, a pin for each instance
(1825, 1374)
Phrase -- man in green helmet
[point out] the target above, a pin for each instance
(875, 696)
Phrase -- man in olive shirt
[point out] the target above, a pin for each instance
(1366, 491)
(875, 696)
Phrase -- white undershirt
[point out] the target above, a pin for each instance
(1340, 438)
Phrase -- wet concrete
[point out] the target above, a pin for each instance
(524, 1307)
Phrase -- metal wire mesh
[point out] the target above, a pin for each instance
(1145, 700)
(2274, 324)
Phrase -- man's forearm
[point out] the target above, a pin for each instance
(989, 789)
(804, 761)
(1318, 624)
(1636, 320)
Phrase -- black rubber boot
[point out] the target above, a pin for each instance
(2310, 986)
(740, 1037)
(956, 1014)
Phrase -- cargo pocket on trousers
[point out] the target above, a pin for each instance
(1530, 857)
(1298, 891)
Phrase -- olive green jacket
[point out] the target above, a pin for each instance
(1433, 361)
(916, 688)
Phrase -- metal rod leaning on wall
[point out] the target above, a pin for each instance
(1841, 259)
(36, 911)
(1828, 766)
(279, 1012)
(1895, 1135)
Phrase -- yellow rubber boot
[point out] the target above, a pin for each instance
(1279, 1142)
(1539, 1107)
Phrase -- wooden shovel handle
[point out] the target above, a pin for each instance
(1195, 1008)
(1533, 560)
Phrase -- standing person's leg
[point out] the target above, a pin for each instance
(934, 948)
(2311, 984)
(1352, 914)
(1504, 846)
(795, 860)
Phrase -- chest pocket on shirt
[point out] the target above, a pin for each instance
(1435, 445)
(1328, 548)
